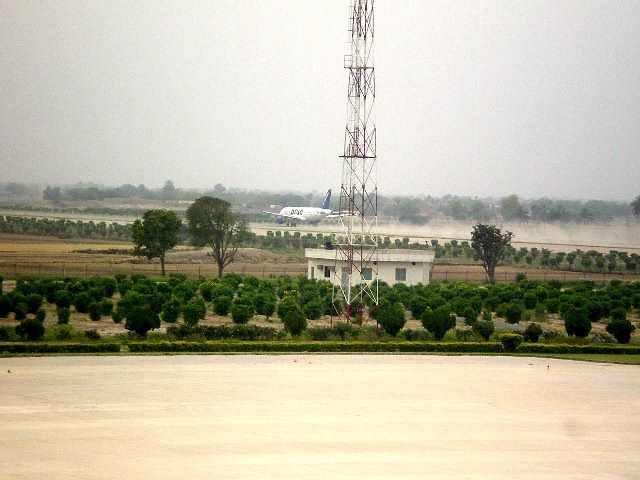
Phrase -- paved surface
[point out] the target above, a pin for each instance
(317, 417)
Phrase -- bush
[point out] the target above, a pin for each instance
(117, 315)
(141, 319)
(343, 329)
(265, 304)
(621, 329)
(510, 341)
(416, 335)
(5, 306)
(206, 290)
(41, 314)
(438, 321)
(576, 321)
(34, 302)
(108, 285)
(20, 311)
(222, 305)
(92, 334)
(194, 311)
(313, 310)
(171, 310)
(513, 312)
(63, 298)
(30, 329)
(484, 328)
(619, 313)
(106, 307)
(63, 314)
(5, 333)
(532, 332)
(95, 312)
(242, 310)
(295, 322)
(392, 318)
(62, 332)
(81, 301)
(470, 316)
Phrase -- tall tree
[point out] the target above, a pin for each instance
(489, 244)
(156, 234)
(636, 206)
(212, 223)
(511, 208)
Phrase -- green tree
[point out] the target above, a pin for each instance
(438, 321)
(242, 310)
(636, 206)
(489, 244)
(621, 329)
(484, 328)
(212, 223)
(576, 321)
(511, 208)
(391, 318)
(155, 234)
(141, 319)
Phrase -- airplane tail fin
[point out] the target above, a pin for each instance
(327, 200)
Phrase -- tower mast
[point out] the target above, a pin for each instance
(356, 266)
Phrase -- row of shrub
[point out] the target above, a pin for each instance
(377, 347)
(98, 347)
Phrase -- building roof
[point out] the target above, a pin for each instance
(384, 255)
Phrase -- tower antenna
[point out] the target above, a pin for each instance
(356, 265)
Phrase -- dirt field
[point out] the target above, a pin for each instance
(317, 417)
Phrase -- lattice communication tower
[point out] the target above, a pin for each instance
(356, 267)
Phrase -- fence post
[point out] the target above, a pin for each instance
(39, 269)
(263, 271)
(64, 269)
(199, 269)
(86, 269)
(446, 275)
(466, 276)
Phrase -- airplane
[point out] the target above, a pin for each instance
(291, 215)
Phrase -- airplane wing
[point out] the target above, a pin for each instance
(271, 213)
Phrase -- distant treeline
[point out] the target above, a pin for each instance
(415, 210)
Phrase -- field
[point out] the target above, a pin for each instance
(24, 254)
(317, 417)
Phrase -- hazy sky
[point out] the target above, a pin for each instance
(539, 98)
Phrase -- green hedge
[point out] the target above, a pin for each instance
(545, 348)
(331, 347)
(19, 347)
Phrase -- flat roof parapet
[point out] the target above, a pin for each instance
(384, 255)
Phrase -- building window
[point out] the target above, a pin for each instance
(327, 271)
(401, 274)
(367, 273)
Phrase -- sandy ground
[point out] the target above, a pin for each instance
(317, 417)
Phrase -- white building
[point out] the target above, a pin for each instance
(394, 266)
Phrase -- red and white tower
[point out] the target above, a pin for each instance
(356, 267)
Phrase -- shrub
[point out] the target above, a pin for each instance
(417, 305)
(294, 320)
(20, 311)
(92, 334)
(63, 315)
(171, 310)
(510, 341)
(5, 306)
(63, 298)
(521, 276)
(5, 334)
(117, 315)
(108, 285)
(206, 290)
(576, 321)
(34, 302)
(95, 312)
(194, 311)
(141, 319)
(222, 305)
(63, 332)
(621, 329)
(241, 310)
(470, 316)
(185, 291)
(539, 312)
(416, 335)
(532, 332)
(513, 312)
(342, 329)
(438, 321)
(313, 310)
(30, 329)
(484, 328)
(41, 314)
(265, 304)
(619, 313)
(81, 301)
(392, 318)
(319, 333)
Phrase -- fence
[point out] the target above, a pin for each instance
(439, 273)
(108, 269)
